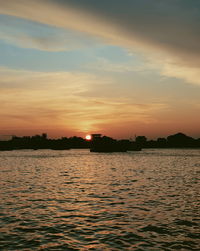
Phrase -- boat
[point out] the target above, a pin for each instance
(107, 147)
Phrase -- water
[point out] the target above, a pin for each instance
(77, 200)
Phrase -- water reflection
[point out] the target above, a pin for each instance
(76, 200)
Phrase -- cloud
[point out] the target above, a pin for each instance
(27, 34)
(103, 64)
(157, 29)
(56, 42)
(61, 100)
(188, 74)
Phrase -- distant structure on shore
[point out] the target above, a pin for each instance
(96, 136)
(98, 143)
(6, 137)
(107, 144)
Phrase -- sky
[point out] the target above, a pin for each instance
(120, 68)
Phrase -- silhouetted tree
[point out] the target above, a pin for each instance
(180, 140)
(102, 143)
(161, 142)
(141, 141)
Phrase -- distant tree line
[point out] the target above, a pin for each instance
(42, 142)
(178, 140)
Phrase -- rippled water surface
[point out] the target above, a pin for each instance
(77, 200)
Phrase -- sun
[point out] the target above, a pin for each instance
(88, 137)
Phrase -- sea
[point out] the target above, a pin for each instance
(77, 200)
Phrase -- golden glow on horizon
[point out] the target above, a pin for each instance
(33, 109)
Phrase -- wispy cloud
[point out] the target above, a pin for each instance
(55, 99)
(27, 34)
(103, 64)
(188, 74)
(157, 29)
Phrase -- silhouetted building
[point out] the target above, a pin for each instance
(95, 136)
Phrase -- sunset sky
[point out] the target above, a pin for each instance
(120, 68)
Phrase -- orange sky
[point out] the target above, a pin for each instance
(120, 69)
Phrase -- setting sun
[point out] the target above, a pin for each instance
(88, 137)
